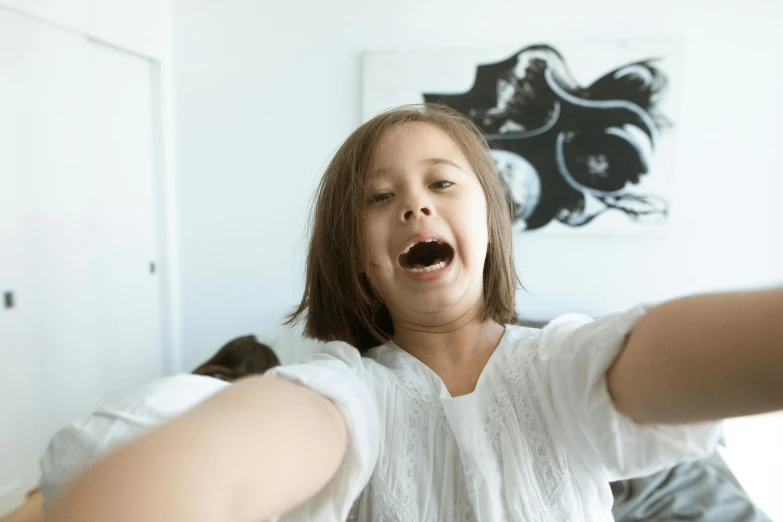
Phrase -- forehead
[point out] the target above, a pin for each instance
(413, 144)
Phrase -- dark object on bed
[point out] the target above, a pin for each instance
(239, 358)
(705, 490)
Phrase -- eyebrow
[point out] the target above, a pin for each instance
(385, 171)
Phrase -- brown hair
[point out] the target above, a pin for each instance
(238, 358)
(339, 302)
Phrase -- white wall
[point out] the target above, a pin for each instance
(139, 26)
(265, 92)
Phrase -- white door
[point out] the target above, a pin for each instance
(77, 236)
(44, 171)
(124, 231)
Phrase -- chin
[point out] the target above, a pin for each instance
(440, 303)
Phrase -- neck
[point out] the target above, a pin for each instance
(453, 349)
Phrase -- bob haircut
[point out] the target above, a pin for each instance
(339, 303)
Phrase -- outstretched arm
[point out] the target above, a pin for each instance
(250, 453)
(703, 358)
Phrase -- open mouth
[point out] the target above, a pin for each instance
(426, 256)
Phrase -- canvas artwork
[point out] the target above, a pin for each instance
(583, 134)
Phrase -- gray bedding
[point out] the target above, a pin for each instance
(705, 490)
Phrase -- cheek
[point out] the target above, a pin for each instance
(378, 277)
(477, 221)
(374, 240)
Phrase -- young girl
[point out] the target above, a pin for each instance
(430, 404)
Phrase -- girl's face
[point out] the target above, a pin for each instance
(426, 227)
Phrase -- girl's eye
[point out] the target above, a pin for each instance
(381, 197)
(442, 184)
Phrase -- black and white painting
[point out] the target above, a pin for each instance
(583, 134)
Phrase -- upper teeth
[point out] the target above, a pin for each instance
(431, 240)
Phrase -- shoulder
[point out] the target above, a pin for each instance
(580, 329)
(575, 351)
(607, 330)
(528, 331)
(336, 362)
(539, 337)
(341, 355)
(568, 338)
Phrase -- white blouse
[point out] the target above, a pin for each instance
(538, 440)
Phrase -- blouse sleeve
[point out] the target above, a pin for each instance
(576, 354)
(341, 375)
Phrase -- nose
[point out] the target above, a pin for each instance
(410, 214)
(416, 203)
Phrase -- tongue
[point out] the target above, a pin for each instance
(421, 265)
